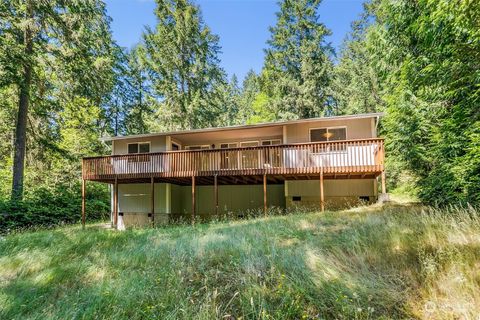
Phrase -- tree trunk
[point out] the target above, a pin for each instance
(23, 104)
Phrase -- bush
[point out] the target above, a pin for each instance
(46, 207)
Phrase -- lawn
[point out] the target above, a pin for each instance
(394, 261)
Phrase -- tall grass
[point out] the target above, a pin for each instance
(367, 263)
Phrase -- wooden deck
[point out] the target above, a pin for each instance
(350, 158)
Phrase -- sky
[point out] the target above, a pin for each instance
(242, 26)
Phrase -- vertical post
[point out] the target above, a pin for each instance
(322, 198)
(152, 200)
(83, 203)
(115, 203)
(384, 188)
(193, 199)
(265, 194)
(215, 190)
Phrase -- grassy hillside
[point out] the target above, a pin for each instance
(394, 262)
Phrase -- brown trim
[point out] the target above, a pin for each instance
(152, 200)
(322, 197)
(384, 187)
(238, 148)
(364, 157)
(215, 187)
(193, 200)
(265, 195)
(83, 202)
(115, 203)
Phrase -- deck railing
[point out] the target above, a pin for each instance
(349, 156)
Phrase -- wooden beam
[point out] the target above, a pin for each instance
(384, 188)
(265, 194)
(322, 199)
(152, 200)
(215, 190)
(193, 199)
(83, 203)
(115, 203)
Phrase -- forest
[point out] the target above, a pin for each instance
(65, 82)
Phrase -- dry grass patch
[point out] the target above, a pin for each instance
(389, 262)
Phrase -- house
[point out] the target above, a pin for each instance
(328, 162)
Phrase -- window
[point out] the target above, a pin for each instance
(228, 145)
(271, 142)
(328, 134)
(198, 147)
(249, 144)
(143, 147)
(175, 147)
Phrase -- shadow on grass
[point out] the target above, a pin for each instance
(356, 264)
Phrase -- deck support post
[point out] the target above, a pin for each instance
(265, 194)
(115, 203)
(83, 202)
(215, 191)
(322, 197)
(152, 200)
(193, 199)
(384, 188)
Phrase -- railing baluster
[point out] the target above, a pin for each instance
(341, 157)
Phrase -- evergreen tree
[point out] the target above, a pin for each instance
(50, 51)
(140, 109)
(433, 119)
(126, 108)
(250, 89)
(418, 60)
(230, 98)
(298, 67)
(358, 82)
(181, 60)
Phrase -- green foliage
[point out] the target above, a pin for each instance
(375, 263)
(418, 61)
(298, 67)
(359, 77)
(260, 110)
(47, 207)
(71, 60)
(180, 57)
(249, 91)
(229, 98)
(125, 108)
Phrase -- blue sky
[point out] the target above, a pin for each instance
(241, 24)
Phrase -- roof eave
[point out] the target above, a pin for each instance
(251, 126)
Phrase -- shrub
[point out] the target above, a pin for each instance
(46, 207)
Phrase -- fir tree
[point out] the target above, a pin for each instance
(298, 67)
(181, 59)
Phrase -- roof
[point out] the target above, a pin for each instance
(250, 126)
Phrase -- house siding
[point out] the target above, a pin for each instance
(338, 193)
(356, 129)
(232, 199)
(157, 144)
(174, 201)
(363, 128)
